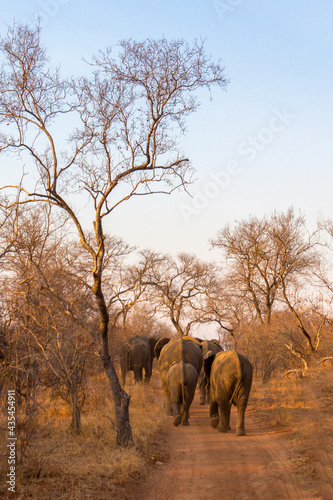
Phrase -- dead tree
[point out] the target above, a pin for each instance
(125, 142)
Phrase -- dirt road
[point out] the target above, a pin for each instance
(265, 464)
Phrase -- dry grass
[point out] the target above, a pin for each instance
(288, 401)
(305, 407)
(62, 466)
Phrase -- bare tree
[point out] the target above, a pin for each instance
(39, 280)
(266, 256)
(128, 116)
(181, 287)
(273, 263)
(224, 307)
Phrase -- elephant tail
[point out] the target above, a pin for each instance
(183, 370)
(233, 398)
(183, 383)
(238, 383)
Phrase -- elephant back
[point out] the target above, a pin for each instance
(234, 371)
(182, 371)
(140, 344)
(178, 350)
(227, 361)
(211, 345)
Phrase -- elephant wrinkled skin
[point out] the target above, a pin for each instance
(137, 353)
(230, 377)
(182, 380)
(203, 382)
(185, 349)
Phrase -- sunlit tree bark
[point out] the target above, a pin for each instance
(128, 119)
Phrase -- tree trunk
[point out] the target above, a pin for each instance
(121, 404)
(298, 319)
(120, 397)
(76, 412)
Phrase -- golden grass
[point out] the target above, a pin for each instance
(283, 400)
(59, 465)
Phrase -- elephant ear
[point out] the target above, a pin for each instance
(207, 363)
(152, 344)
(205, 347)
(216, 342)
(159, 346)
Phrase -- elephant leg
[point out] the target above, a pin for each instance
(148, 372)
(214, 414)
(207, 392)
(185, 415)
(241, 407)
(177, 419)
(224, 421)
(137, 373)
(189, 396)
(202, 400)
(167, 403)
(202, 389)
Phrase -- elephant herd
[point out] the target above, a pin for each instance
(223, 377)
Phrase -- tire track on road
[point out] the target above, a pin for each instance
(206, 464)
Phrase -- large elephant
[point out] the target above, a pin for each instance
(137, 353)
(203, 382)
(230, 376)
(185, 349)
(181, 380)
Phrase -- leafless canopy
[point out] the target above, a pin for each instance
(269, 259)
(108, 137)
(181, 287)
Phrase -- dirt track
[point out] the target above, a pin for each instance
(267, 463)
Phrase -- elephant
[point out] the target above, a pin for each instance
(230, 375)
(159, 346)
(136, 354)
(203, 382)
(185, 349)
(181, 381)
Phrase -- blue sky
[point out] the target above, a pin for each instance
(265, 144)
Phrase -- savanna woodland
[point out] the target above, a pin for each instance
(72, 150)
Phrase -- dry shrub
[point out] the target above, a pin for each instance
(281, 399)
(146, 416)
(59, 465)
(293, 401)
(265, 348)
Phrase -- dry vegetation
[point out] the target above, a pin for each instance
(304, 407)
(55, 463)
(66, 297)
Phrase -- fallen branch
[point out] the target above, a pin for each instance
(298, 355)
(327, 358)
(298, 370)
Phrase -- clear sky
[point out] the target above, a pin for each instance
(265, 144)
